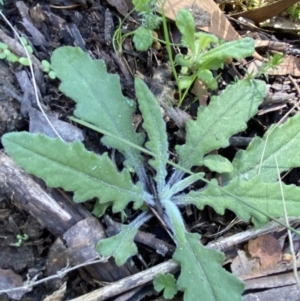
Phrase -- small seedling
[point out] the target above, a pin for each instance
(143, 36)
(167, 284)
(27, 46)
(294, 12)
(5, 53)
(205, 53)
(47, 69)
(21, 238)
(271, 63)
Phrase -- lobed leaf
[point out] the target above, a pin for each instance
(98, 98)
(202, 276)
(120, 246)
(217, 163)
(142, 38)
(264, 196)
(204, 41)
(226, 115)
(156, 130)
(214, 58)
(259, 157)
(100, 208)
(186, 25)
(73, 168)
(167, 283)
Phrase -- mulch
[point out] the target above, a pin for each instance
(53, 240)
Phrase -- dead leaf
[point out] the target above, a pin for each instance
(79, 248)
(207, 14)
(200, 91)
(278, 97)
(266, 12)
(57, 295)
(290, 65)
(242, 265)
(9, 279)
(58, 259)
(39, 124)
(267, 249)
(120, 5)
(82, 239)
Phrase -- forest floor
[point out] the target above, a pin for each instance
(36, 243)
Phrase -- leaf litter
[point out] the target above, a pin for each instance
(181, 138)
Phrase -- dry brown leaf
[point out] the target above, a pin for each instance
(290, 65)
(207, 14)
(200, 90)
(267, 249)
(120, 5)
(266, 12)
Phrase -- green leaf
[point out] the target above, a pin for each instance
(183, 61)
(259, 157)
(168, 192)
(208, 79)
(24, 61)
(202, 276)
(204, 41)
(7, 51)
(264, 196)
(226, 115)
(99, 99)
(186, 25)
(3, 46)
(73, 168)
(11, 57)
(100, 208)
(29, 49)
(52, 74)
(156, 130)
(185, 82)
(46, 66)
(167, 283)
(142, 38)
(120, 246)
(24, 40)
(217, 163)
(3, 55)
(140, 5)
(214, 58)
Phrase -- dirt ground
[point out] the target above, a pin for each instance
(38, 242)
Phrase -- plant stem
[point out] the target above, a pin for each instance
(168, 46)
(183, 171)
